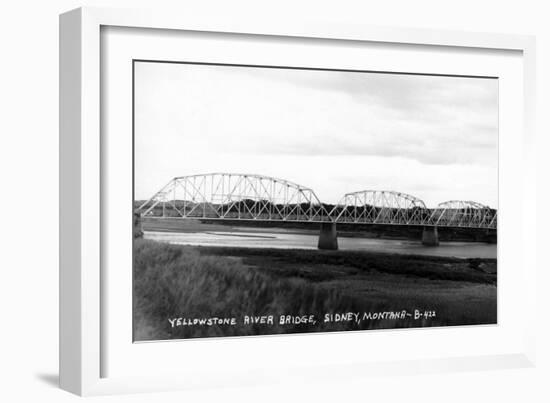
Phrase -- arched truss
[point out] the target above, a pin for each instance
(235, 196)
(263, 198)
(380, 207)
(465, 214)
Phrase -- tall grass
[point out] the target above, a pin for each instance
(174, 281)
(290, 263)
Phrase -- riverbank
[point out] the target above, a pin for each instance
(371, 231)
(188, 283)
(295, 239)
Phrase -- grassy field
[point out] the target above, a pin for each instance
(173, 282)
(182, 282)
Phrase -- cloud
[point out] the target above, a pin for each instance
(435, 120)
(191, 117)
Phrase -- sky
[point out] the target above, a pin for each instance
(336, 132)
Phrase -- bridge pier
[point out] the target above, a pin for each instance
(328, 238)
(430, 236)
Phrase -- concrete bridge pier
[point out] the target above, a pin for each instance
(327, 236)
(430, 236)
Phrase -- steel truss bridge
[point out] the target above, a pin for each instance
(225, 196)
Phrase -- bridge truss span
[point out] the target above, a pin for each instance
(380, 207)
(463, 214)
(236, 196)
(232, 196)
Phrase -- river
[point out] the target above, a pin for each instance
(288, 240)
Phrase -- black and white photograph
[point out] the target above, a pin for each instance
(255, 202)
(275, 200)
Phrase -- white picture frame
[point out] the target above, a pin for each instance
(82, 175)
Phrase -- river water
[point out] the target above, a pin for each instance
(288, 240)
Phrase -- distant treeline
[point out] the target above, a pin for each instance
(266, 206)
(408, 232)
(236, 206)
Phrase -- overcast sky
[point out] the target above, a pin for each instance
(335, 132)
